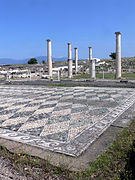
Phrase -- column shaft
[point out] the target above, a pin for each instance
(49, 57)
(92, 69)
(91, 64)
(90, 53)
(76, 60)
(69, 61)
(118, 55)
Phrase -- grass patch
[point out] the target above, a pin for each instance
(118, 162)
(60, 85)
(81, 76)
(34, 167)
(128, 75)
(98, 75)
(106, 76)
(68, 85)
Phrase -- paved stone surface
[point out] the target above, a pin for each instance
(64, 120)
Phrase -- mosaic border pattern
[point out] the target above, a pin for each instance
(80, 143)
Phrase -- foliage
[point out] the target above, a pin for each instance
(43, 61)
(32, 61)
(118, 161)
(113, 55)
(73, 61)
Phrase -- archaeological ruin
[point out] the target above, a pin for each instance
(68, 69)
(67, 112)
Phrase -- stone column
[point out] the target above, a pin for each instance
(103, 75)
(30, 75)
(92, 69)
(58, 74)
(90, 53)
(76, 60)
(118, 54)
(7, 76)
(69, 61)
(49, 57)
(91, 64)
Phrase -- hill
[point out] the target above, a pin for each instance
(5, 61)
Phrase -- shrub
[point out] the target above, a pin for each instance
(32, 61)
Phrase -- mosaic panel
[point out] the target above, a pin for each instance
(64, 120)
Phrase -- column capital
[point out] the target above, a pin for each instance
(69, 43)
(89, 47)
(48, 40)
(75, 48)
(117, 33)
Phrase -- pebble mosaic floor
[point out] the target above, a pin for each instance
(63, 119)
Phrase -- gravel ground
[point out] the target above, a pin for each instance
(8, 172)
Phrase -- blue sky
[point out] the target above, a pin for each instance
(26, 24)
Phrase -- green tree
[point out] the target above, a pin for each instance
(43, 61)
(32, 61)
(113, 55)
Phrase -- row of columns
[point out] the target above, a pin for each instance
(49, 58)
(91, 61)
